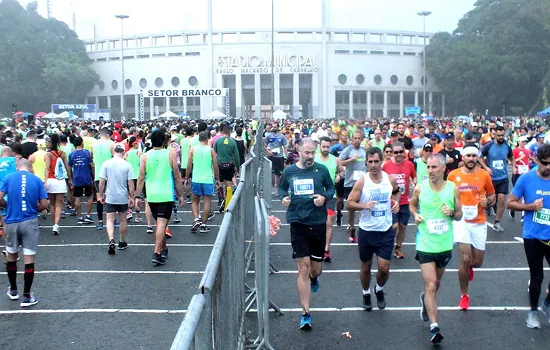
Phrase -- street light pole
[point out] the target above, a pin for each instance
(424, 14)
(272, 58)
(122, 18)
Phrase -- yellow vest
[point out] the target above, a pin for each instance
(39, 165)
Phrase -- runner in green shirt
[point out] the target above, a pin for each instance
(102, 151)
(228, 161)
(434, 205)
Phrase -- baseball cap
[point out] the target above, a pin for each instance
(394, 133)
(474, 124)
(449, 135)
(540, 136)
(433, 136)
(117, 126)
(173, 128)
(428, 147)
(522, 139)
(119, 148)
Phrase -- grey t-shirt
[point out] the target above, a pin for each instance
(275, 143)
(418, 143)
(354, 170)
(117, 172)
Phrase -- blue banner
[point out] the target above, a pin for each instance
(67, 107)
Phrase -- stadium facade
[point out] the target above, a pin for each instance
(319, 72)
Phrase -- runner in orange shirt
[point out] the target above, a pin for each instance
(476, 193)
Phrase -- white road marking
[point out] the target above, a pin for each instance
(407, 308)
(77, 311)
(482, 269)
(519, 239)
(113, 272)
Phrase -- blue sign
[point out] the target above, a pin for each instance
(71, 114)
(412, 110)
(66, 107)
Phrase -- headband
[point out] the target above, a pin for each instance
(470, 150)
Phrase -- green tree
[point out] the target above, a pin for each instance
(499, 52)
(42, 61)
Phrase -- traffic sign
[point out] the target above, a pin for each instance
(412, 110)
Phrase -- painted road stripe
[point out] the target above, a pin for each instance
(320, 309)
(132, 225)
(519, 239)
(282, 272)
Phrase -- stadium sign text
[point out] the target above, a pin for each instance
(183, 92)
(262, 64)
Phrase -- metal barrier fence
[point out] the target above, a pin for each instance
(215, 316)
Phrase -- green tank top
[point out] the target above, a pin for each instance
(202, 165)
(195, 141)
(380, 145)
(133, 159)
(330, 163)
(435, 232)
(184, 146)
(159, 182)
(421, 170)
(102, 153)
(68, 149)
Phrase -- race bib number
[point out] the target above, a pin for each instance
(523, 169)
(401, 188)
(469, 212)
(437, 226)
(303, 187)
(498, 164)
(275, 150)
(357, 175)
(379, 210)
(542, 217)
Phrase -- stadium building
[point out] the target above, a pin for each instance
(318, 72)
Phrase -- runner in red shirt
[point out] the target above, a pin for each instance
(521, 155)
(403, 172)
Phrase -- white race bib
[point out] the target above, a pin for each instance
(523, 169)
(469, 212)
(276, 150)
(542, 217)
(437, 226)
(357, 175)
(498, 164)
(303, 187)
(379, 210)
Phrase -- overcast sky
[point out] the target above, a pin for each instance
(179, 15)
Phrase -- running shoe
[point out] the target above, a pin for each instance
(512, 214)
(12, 294)
(88, 219)
(367, 303)
(176, 218)
(28, 300)
(196, 224)
(164, 253)
(211, 215)
(315, 284)
(221, 207)
(464, 302)
(111, 250)
(63, 215)
(435, 335)
(129, 215)
(72, 212)
(327, 257)
(545, 307)
(158, 259)
(138, 218)
(305, 322)
(5, 254)
(1, 232)
(188, 201)
(423, 312)
(204, 229)
(352, 237)
(55, 229)
(80, 220)
(498, 227)
(380, 299)
(339, 220)
(117, 223)
(533, 320)
(99, 226)
(168, 233)
(122, 245)
(398, 254)
(472, 274)
(150, 229)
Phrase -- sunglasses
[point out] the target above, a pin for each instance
(398, 152)
(542, 162)
(428, 150)
(388, 152)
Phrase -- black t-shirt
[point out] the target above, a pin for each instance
(28, 149)
(407, 142)
(455, 156)
(241, 149)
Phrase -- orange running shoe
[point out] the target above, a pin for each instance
(168, 233)
(464, 302)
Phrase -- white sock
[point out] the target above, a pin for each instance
(378, 288)
(365, 292)
(433, 325)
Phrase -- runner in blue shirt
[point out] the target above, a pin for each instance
(80, 160)
(534, 188)
(26, 197)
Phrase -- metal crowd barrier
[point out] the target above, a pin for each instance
(216, 315)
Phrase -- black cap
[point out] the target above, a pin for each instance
(449, 135)
(433, 136)
(394, 133)
(427, 146)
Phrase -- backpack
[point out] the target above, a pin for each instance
(60, 172)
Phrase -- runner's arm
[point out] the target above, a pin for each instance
(176, 172)
(514, 203)
(189, 168)
(413, 205)
(353, 198)
(3, 203)
(48, 163)
(215, 166)
(141, 177)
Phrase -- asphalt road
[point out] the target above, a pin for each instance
(498, 299)
(91, 300)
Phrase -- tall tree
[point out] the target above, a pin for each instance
(42, 61)
(499, 52)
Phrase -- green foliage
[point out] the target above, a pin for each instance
(499, 52)
(41, 61)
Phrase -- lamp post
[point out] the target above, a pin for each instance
(272, 58)
(122, 18)
(424, 14)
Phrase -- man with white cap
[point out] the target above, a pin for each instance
(476, 193)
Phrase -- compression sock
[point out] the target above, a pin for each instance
(11, 268)
(28, 277)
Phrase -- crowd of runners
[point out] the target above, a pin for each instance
(450, 177)
(132, 171)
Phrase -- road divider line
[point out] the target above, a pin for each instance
(519, 239)
(407, 308)
(482, 269)
(88, 311)
(113, 272)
